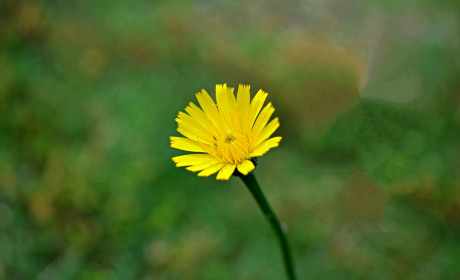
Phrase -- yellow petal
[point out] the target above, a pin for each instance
(226, 172)
(209, 107)
(186, 144)
(202, 166)
(255, 106)
(192, 159)
(265, 146)
(242, 100)
(268, 130)
(246, 167)
(211, 170)
(221, 97)
(192, 122)
(192, 129)
(198, 114)
(232, 114)
(262, 120)
(194, 135)
(195, 112)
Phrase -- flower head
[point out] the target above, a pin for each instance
(226, 136)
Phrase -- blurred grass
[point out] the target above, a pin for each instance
(366, 177)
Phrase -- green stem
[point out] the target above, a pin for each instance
(251, 182)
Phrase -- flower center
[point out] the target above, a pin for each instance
(232, 147)
(229, 138)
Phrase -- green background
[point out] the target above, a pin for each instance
(366, 176)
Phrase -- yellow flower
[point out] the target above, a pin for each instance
(227, 136)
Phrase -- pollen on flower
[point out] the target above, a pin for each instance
(227, 136)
